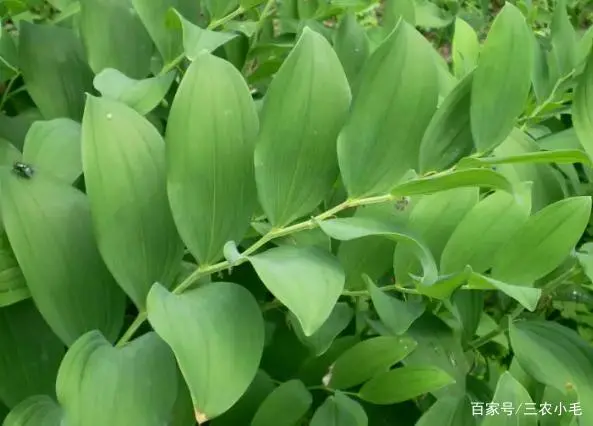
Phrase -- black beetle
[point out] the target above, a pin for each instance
(23, 170)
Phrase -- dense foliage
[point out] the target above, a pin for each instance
(297, 212)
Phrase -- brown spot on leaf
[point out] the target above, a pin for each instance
(201, 418)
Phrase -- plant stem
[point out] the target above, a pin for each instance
(211, 26)
(274, 233)
(393, 287)
(260, 22)
(7, 90)
(220, 22)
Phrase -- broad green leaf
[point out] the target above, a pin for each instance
(8, 153)
(449, 411)
(320, 341)
(430, 15)
(14, 129)
(556, 356)
(196, 39)
(249, 403)
(229, 346)
(304, 107)
(8, 55)
(372, 255)
(526, 296)
(448, 136)
(582, 107)
(494, 219)
(438, 346)
(465, 48)
(396, 9)
(509, 390)
(142, 95)
(30, 354)
(367, 359)
(563, 140)
(285, 406)
(560, 156)
(100, 384)
(396, 314)
(307, 280)
(402, 384)
(433, 220)
(485, 178)
(360, 227)
(220, 8)
(546, 186)
(352, 46)
(501, 79)
(340, 410)
(38, 410)
(543, 242)
(383, 128)
(69, 283)
(13, 288)
(57, 75)
(54, 147)
(137, 240)
(563, 39)
(152, 14)
(114, 37)
(210, 141)
(468, 308)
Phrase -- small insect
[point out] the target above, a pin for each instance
(402, 203)
(23, 170)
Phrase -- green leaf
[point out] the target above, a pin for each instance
(43, 215)
(229, 346)
(141, 95)
(560, 156)
(126, 46)
(494, 219)
(339, 410)
(433, 220)
(57, 75)
(448, 136)
(100, 384)
(196, 39)
(54, 147)
(307, 280)
(582, 107)
(556, 356)
(360, 227)
(546, 187)
(368, 359)
(152, 14)
(30, 354)
(485, 178)
(396, 9)
(285, 406)
(384, 129)
(543, 242)
(137, 240)
(438, 346)
(509, 390)
(210, 141)
(449, 411)
(430, 15)
(38, 410)
(526, 296)
(13, 288)
(304, 107)
(563, 39)
(320, 341)
(465, 48)
(501, 79)
(352, 46)
(220, 8)
(402, 384)
(396, 314)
